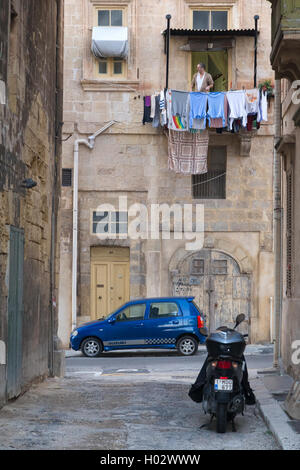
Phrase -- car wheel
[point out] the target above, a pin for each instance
(187, 346)
(91, 347)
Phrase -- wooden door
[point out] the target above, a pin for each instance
(109, 279)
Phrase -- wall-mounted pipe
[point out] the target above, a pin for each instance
(256, 18)
(168, 17)
(89, 142)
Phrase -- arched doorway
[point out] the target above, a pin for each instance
(220, 289)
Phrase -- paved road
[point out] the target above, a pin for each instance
(155, 362)
(126, 401)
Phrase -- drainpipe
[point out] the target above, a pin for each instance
(168, 18)
(277, 225)
(256, 18)
(89, 142)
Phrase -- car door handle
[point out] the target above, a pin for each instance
(138, 326)
(175, 322)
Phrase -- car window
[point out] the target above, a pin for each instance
(163, 309)
(131, 313)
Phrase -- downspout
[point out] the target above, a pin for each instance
(277, 225)
(256, 18)
(89, 142)
(168, 18)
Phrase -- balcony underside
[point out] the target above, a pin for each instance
(285, 55)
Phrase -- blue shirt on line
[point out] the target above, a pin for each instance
(198, 106)
(216, 106)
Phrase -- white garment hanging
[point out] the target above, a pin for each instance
(237, 107)
(252, 101)
(152, 112)
(264, 106)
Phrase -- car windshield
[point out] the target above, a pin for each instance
(109, 315)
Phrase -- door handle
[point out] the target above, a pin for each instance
(175, 322)
(138, 326)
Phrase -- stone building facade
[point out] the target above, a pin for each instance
(285, 62)
(30, 159)
(234, 271)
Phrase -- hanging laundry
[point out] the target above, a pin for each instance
(217, 110)
(252, 101)
(188, 152)
(156, 119)
(237, 107)
(152, 113)
(162, 105)
(264, 106)
(217, 123)
(198, 110)
(179, 108)
(147, 109)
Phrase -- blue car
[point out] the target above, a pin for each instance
(168, 323)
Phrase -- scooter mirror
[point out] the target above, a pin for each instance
(239, 319)
(204, 331)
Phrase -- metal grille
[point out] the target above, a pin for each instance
(197, 266)
(66, 179)
(212, 185)
(289, 233)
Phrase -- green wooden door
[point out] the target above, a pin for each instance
(15, 312)
(216, 63)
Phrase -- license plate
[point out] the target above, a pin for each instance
(223, 385)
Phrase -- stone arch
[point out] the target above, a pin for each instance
(232, 249)
(221, 284)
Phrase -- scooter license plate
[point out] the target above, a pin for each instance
(223, 385)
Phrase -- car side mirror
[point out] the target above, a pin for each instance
(239, 319)
(204, 331)
(112, 320)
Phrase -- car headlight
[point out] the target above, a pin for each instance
(74, 333)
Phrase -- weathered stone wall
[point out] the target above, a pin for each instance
(30, 118)
(132, 159)
(290, 149)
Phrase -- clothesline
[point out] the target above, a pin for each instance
(186, 115)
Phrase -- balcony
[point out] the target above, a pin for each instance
(286, 38)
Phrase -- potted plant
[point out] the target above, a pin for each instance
(268, 87)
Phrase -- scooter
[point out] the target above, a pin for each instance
(223, 396)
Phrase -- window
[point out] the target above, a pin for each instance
(110, 67)
(220, 266)
(163, 309)
(110, 222)
(131, 313)
(212, 185)
(289, 233)
(197, 266)
(110, 17)
(210, 19)
(66, 179)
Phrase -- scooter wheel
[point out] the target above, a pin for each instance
(221, 417)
